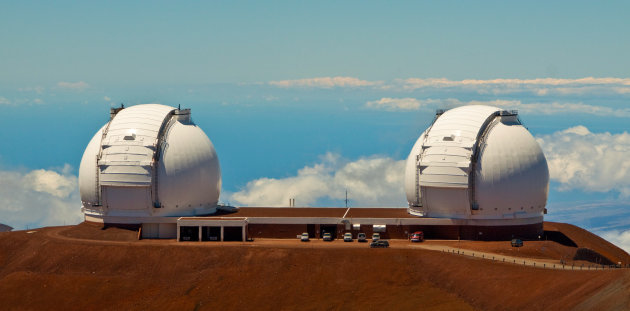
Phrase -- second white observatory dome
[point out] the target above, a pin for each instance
(477, 162)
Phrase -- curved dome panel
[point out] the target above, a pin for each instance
(512, 176)
(476, 162)
(88, 187)
(411, 172)
(189, 175)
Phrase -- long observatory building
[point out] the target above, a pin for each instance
(476, 173)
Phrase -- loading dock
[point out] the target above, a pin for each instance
(211, 229)
(188, 233)
(210, 233)
(233, 234)
(310, 228)
(159, 230)
(332, 229)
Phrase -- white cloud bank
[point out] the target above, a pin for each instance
(388, 103)
(325, 82)
(619, 238)
(39, 198)
(370, 181)
(407, 104)
(76, 86)
(594, 162)
(442, 82)
(20, 101)
(540, 86)
(35, 89)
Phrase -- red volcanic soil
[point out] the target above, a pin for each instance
(530, 249)
(86, 267)
(585, 239)
(549, 249)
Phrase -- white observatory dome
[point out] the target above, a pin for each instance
(149, 160)
(477, 162)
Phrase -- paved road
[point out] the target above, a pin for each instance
(57, 233)
(538, 263)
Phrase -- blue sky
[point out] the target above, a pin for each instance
(316, 97)
(122, 43)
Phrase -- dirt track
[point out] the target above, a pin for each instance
(84, 267)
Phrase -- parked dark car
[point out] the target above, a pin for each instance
(517, 243)
(379, 244)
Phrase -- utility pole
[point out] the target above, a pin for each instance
(346, 198)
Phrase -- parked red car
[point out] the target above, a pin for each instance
(417, 236)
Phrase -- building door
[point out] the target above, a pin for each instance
(126, 198)
(188, 233)
(211, 233)
(310, 228)
(232, 233)
(332, 229)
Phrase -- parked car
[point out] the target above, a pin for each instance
(517, 243)
(361, 237)
(417, 236)
(327, 236)
(347, 237)
(376, 236)
(304, 237)
(379, 244)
